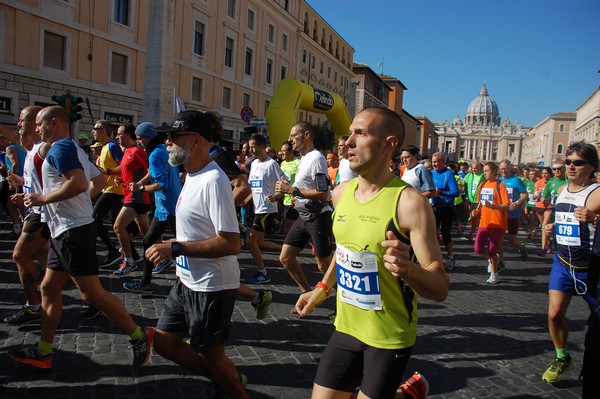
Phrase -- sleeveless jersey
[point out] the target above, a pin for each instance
(574, 238)
(372, 305)
(32, 173)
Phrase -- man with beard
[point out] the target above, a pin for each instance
(206, 246)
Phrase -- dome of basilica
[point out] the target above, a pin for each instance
(483, 110)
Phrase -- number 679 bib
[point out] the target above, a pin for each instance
(358, 278)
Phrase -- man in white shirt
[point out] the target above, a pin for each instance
(206, 246)
(416, 174)
(264, 174)
(312, 193)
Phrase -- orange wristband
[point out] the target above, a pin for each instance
(324, 287)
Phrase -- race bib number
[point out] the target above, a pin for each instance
(256, 186)
(358, 278)
(182, 262)
(510, 192)
(474, 186)
(530, 200)
(486, 195)
(567, 229)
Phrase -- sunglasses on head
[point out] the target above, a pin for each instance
(576, 162)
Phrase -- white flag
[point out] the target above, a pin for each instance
(177, 103)
(380, 63)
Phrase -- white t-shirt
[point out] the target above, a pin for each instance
(65, 155)
(344, 171)
(310, 164)
(262, 179)
(205, 207)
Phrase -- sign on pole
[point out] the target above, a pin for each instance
(246, 114)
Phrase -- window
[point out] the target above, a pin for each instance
(304, 56)
(251, 19)
(226, 97)
(197, 84)
(286, 5)
(267, 105)
(248, 62)
(271, 34)
(559, 149)
(199, 39)
(328, 72)
(231, 5)
(229, 52)
(335, 77)
(313, 62)
(269, 77)
(283, 72)
(561, 127)
(122, 12)
(321, 68)
(284, 42)
(246, 100)
(118, 70)
(54, 50)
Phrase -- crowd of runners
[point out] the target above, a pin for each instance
(375, 215)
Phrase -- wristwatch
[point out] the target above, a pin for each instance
(175, 248)
(296, 192)
(141, 187)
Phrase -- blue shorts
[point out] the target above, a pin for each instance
(563, 279)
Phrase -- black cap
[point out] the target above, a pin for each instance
(190, 121)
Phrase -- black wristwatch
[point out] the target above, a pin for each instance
(175, 248)
(296, 192)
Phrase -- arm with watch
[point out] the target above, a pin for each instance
(284, 187)
(224, 244)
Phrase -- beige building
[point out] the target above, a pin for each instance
(587, 124)
(126, 57)
(323, 58)
(549, 139)
(428, 138)
(481, 136)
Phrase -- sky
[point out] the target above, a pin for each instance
(536, 57)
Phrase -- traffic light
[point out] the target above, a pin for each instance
(70, 103)
(74, 111)
(60, 100)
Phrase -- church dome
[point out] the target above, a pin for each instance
(483, 110)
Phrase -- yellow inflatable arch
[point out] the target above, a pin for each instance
(292, 95)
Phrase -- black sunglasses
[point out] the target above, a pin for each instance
(576, 162)
(172, 135)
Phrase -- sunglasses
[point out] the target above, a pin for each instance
(173, 135)
(576, 162)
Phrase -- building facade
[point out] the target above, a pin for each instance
(481, 136)
(587, 124)
(549, 139)
(428, 138)
(126, 58)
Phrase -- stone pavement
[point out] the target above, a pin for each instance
(482, 342)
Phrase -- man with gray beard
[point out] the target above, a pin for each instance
(206, 246)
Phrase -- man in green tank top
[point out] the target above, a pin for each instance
(378, 219)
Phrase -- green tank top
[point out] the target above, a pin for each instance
(372, 305)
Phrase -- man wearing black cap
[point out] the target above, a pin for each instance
(206, 247)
